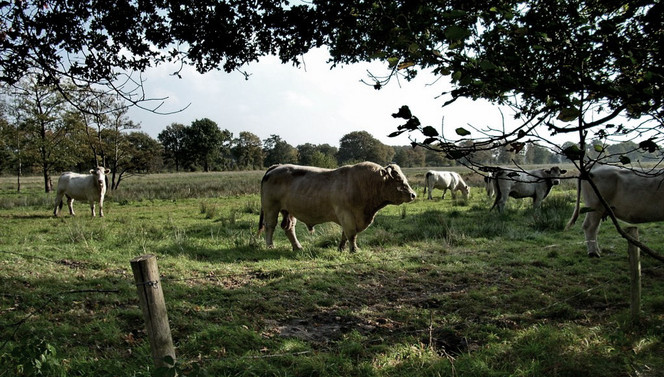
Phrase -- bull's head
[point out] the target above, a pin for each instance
(100, 175)
(397, 180)
(554, 173)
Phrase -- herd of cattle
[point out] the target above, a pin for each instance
(352, 195)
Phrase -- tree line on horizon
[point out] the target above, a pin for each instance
(42, 133)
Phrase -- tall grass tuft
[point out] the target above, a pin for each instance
(552, 214)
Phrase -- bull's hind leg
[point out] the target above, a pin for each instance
(288, 225)
(270, 219)
(70, 204)
(58, 203)
(348, 235)
(590, 228)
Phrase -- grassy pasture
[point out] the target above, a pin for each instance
(439, 288)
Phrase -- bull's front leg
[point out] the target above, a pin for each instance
(70, 204)
(288, 225)
(92, 208)
(342, 243)
(101, 207)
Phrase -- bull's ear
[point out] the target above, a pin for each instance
(92, 171)
(548, 171)
(563, 171)
(106, 171)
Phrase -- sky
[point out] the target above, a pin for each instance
(311, 104)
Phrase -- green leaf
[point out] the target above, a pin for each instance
(395, 133)
(568, 114)
(429, 131)
(625, 160)
(598, 148)
(648, 145)
(573, 152)
(456, 33)
(462, 131)
(412, 123)
(404, 112)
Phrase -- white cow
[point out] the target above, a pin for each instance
(445, 180)
(634, 196)
(88, 187)
(534, 184)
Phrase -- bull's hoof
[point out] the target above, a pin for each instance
(593, 255)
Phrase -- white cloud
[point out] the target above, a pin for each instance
(310, 104)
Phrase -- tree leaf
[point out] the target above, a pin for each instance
(429, 131)
(573, 152)
(462, 131)
(598, 148)
(568, 114)
(404, 112)
(456, 33)
(395, 133)
(625, 160)
(648, 145)
(412, 123)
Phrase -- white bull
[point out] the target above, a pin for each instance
(445, 180)
(349, 196)
(634, 196)
(87, 187)
(534, 184)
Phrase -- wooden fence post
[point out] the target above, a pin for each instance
(635, 274)
(151, 298)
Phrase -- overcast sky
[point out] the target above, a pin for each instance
(310, 104)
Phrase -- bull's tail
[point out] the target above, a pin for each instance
(426, 181)
(496, 190)
(577, 206)
(261, 224)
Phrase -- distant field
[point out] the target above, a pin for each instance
(438, 287)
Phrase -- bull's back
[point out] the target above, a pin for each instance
(440, 179)
(78, 186)
(634, 198)
(309, 194)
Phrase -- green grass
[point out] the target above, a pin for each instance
(438, 288)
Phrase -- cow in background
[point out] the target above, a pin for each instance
(349, 196)
(534, 184)
(445, 180)
(87, 187)
(634, 196)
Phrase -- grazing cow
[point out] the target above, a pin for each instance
(445, 180)
(489, 182)
(534, 184)
(634, 196)
(349, 196)
(89, 187)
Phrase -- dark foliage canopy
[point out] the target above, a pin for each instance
(567, 65)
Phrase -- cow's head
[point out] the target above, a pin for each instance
(554, 173)
(100, 175)
(465, 189)
(397, 190)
